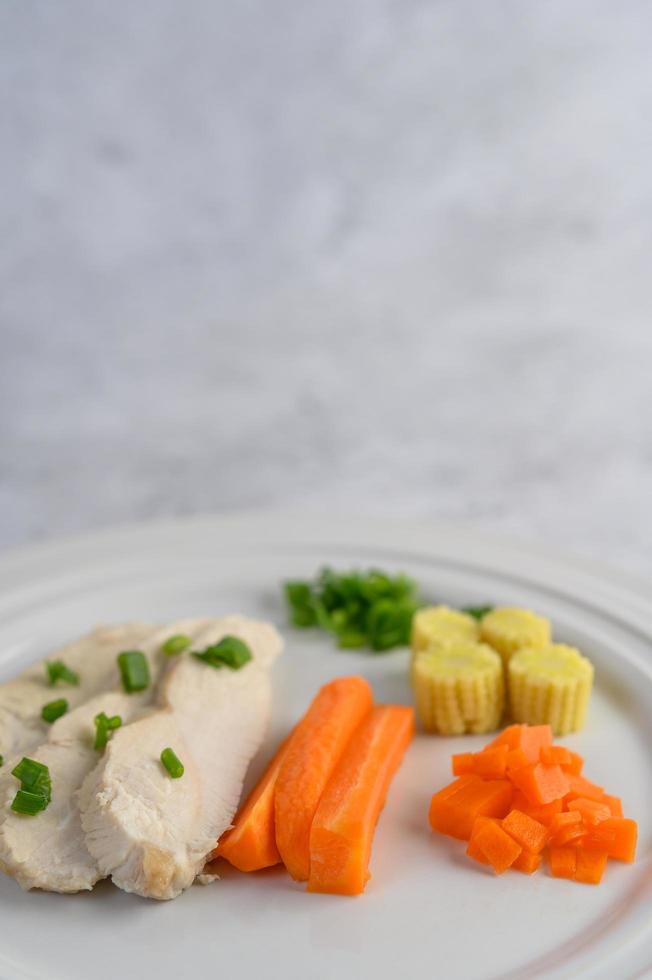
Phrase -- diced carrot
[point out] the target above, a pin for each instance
(562, 820)
(462, 763)
(509, 736)
(557, 755)
(614, 804)
(571, 834)
(453, 809)
(345, 821)
(527, 862)
(541, 783)
(591, 811)
(317, 745)
(574, 767)
(563, 861)
(616, 836)
(498, 847)
(490, 763)
(579, 786)
(529, 833)
(474, 852)
(543, 814)
(590, 866)
(517, 758)
(251, 843)
(533, 738)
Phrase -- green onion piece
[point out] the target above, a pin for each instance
(173, 765)
(34, 777)
(35, 791)
(2, 760)
(53, 710)
(176, 644)
(28, 803)
(134, 671)
(103, 727)
(229, 652)
(300, 599)
(477, 611)
(388, 624)
(57, 671)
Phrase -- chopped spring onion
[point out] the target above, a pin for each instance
(53, 710)
(173, 764)
(229, 652)
(28, 803)
(35, 791)
(176, 644)
(477, 611)
(34, 776)
(57, 671)
(134, 671)
(372, 608)
(103, 728)
(2, 760)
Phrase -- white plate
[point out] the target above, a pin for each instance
(427, 911)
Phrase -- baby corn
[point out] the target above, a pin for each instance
(459, 688)
(440, 624)
(550, 685)
(508, 630)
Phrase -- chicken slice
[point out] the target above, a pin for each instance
(92, 657)
(152, 833)
(48, 850)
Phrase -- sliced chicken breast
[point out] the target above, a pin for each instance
(151, 833)
(48, 850)
(93, 657)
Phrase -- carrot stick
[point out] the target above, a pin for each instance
(344, 824)
(251, 843)
(317, 745)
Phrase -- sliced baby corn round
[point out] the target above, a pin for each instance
(440, 624)
(550, 685)
(508, 630)
(459, 688)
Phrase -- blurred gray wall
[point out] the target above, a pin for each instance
(386, 256)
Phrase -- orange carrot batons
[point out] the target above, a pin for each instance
(251, 843)
(343, 828)
(318, 742)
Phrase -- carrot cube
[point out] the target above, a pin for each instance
(614, 804)
(616, 836)
(591, 812)
(509, 736)
(462, 763)
(557, 755)
(541, 783)
(453, 809)
(490, 763)
(574, 767)
(533, 738)
(563, 862)
(529, 833)
(516, 759)
(590, 866)
(498, 847)
(527, 862)
(579, 786)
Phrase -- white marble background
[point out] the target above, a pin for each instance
(371, 255)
